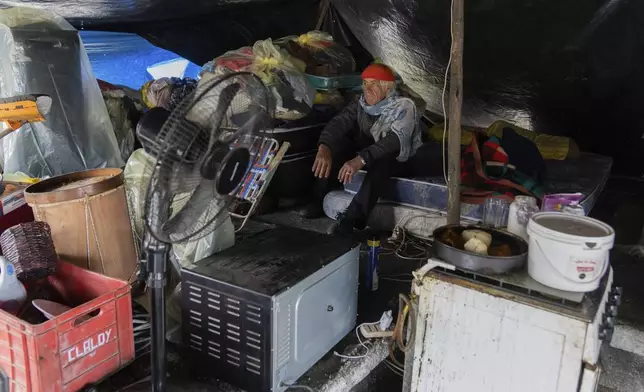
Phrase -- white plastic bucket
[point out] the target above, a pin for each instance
(568, 252)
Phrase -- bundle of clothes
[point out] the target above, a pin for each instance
(505, 160)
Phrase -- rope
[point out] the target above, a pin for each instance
(90, 198)
(98, 245)
(405, 312)
(89, 252)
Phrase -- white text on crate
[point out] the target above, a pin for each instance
(88, 346)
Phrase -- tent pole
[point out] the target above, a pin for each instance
(454, 115)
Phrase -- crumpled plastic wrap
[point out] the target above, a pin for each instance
(322, 56)
(282, 73)
(43, 54)
(167, 93)
(137, 173)
(572, 68)
(118, 106)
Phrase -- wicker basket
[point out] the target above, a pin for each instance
(30, 248)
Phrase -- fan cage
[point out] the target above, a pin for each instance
(223, 112)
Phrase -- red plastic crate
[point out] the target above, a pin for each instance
(70, 351)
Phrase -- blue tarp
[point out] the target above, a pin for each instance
(124, 59)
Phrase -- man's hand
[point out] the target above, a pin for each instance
(349, 169)
(323, 161)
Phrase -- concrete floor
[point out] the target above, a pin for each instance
(623, 371)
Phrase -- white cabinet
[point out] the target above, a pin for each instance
(473, 337)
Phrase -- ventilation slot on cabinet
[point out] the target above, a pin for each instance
(284, 336)
(195, 318)
(254, 365)
(194, 294)
(214, 301)
(253, 340)
(214, 325)
(214, 352)
(253, 314)
(196, 342)
(233, 357)
(233, 307)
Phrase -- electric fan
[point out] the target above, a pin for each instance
(201, 161)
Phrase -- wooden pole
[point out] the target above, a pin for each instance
(454, 115)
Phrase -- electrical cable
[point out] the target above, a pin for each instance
(403, 241)
(337, 354)
(394, 368)
(397, 280)
(400, 369)
(297, 386)
(406, 315)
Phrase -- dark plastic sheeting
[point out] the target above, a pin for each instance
(121, 11)
(198, 30)
(564, 67)
(572, 67)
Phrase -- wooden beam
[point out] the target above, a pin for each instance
(454, 115)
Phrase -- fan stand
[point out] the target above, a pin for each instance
(193, 135)
(157, 257)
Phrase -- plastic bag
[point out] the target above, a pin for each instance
(322, 56)
(282, 74)
(43, 54)
(167, 93)
(137, 173)
(118, 107)
(223, 237)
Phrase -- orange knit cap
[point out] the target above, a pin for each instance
(379, 72)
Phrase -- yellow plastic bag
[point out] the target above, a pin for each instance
(550, 146)
(282, 74)
(322, 56)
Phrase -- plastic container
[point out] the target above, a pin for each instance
(12, 292)
(568, 252)
(335, 82)
(373, 264)
(72, 350)
(521, 209)
(495, 212)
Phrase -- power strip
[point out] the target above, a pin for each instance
(373, 331)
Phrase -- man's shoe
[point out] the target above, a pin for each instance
(343, 227)
(312, 211)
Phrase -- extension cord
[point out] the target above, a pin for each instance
(373, 331)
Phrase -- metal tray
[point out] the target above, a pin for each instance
(480, 263)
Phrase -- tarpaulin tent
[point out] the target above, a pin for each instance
(195, 29)
(572, 68)
(563, 67)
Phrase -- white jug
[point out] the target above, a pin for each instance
(12, 292)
